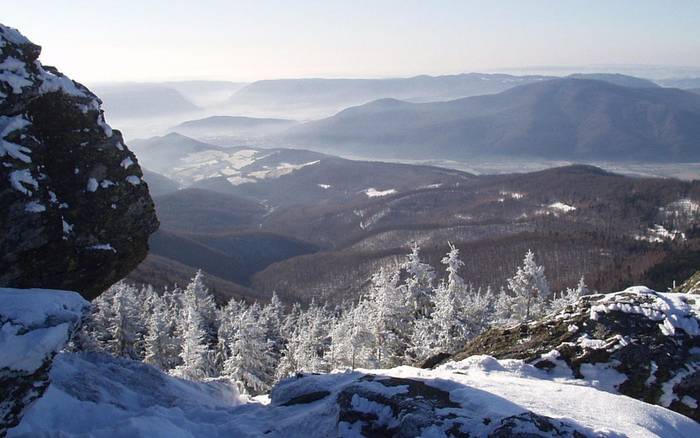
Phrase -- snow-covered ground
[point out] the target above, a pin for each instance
(97, 395)
(239, 166)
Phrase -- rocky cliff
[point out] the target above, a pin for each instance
(75, 211)
(637, 342)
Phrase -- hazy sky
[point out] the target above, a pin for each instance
(104, 40)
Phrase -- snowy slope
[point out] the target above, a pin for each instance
(100, 396)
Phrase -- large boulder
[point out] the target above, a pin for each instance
(638, 342)
(76, 213)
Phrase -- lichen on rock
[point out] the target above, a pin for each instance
(73, 216)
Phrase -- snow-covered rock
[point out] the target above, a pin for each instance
(62, 163)
(100, 396)
(637, 342)
(34, 325)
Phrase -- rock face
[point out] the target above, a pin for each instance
(76, 213)
(637, 342)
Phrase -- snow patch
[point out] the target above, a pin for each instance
(34, 207)
(373, 193)
(92, 185)
(560, 206)
(18, 178)
(7, 126)
(126, 162)
(102, 247)
(133, 180)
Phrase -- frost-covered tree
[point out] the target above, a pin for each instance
(419, 281)
(158, 341)
(125, 339)
(228, 325)
(452, 262)
(458, 313)
(195, 353)
(476, 313)
(350, 339)
(307, 344)
(568, 297)
(389, 318)
(530, 290)
(271, 320)
(251, 362)
(204, 302)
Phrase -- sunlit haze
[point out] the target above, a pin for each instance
(130, 40)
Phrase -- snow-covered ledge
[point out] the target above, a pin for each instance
(35, 324)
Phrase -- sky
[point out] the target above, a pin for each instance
(152, 40)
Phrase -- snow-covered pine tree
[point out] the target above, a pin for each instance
(99, 325)
(419, 281)
(568, 296)
(307, 345)
(158, 343)
(389, 320)
(205, 304)
(251, 362)
(530, 290)
(173, 306)
(503, 307)
(476, 314)
(228, 325)
(350, 339)
(195, 354)
(271, 320)
(124, 331)
(452, 262)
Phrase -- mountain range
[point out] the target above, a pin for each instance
(569, 118)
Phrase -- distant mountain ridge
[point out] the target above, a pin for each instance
(134, 100)
(322, 97)
(233, 128)
(579, 119)
(617, 79)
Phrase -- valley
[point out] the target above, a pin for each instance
(315, 226)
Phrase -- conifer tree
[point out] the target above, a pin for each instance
(419, 281)
(251, 362)
(158, 341)
(124, 341)
(530, 290)
(195, 354)
(568, 296)
(389, 319)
